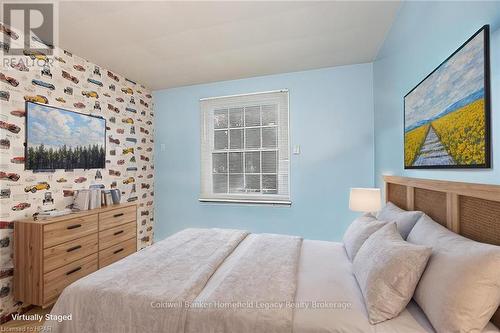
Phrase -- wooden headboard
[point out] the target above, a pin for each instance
(471, 210)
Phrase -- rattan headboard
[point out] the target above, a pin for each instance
(471, 210)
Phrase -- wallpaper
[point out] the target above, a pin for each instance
(68, 81)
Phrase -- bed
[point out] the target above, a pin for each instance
(219, 280)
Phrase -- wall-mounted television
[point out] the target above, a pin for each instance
(62, 139)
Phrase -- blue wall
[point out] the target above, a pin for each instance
(331, 118)
(422, 36)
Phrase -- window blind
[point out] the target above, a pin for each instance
(245, 153)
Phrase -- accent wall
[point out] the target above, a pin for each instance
(331, 119)
(70, 82)
(423, 35)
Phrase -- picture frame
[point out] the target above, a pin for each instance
(440, 108)
(30, 143)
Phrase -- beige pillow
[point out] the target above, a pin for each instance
(358, 232)
(405, 220)
(387, 270)
(460, 289)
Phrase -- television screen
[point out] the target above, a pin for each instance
(63, 139)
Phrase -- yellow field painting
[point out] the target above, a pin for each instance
(463, 132)
(413, 142)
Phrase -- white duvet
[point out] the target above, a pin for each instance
(127, 296)
(155, 290)
(215, 280)
(254, 286)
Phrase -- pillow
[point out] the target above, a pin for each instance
(405, 220)
(460, 289)
(358, 232)
(388, 269)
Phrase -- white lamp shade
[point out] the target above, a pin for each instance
(365, 200)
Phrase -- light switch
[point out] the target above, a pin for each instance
(163, 147)
(296, 150)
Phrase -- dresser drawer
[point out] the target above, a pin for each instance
(63, 231)
(117, 235)
(116, 217)
(63, 254)
(55, 281)
(117, 252)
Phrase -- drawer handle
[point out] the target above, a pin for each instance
(74, 248)
(74, 226)
(118, 251)
(118, 215)
(74, 270)
(118, 232)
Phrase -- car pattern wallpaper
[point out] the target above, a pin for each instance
(70, 82)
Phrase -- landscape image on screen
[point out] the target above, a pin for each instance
(445, 115)
(61, 139)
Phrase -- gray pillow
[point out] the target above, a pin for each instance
(358, 232)
(460, 288)
(387, 270)
(405, 220)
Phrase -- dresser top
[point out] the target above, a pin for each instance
(47, 220)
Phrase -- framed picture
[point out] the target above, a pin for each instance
(57, 138)
(447, 115)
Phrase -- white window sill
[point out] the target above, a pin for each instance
(247, 202)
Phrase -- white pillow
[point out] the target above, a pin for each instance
(460, 289)
(358, 232)
(405, 220)
(387, 270)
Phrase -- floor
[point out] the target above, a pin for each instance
(25, 326)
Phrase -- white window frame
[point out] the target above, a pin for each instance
(207, 108)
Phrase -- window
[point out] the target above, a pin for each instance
(245, 149)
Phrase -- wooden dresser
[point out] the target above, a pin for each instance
(52, 253)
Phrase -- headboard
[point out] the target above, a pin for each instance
(471, 210)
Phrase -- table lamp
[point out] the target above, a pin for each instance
(366, 200)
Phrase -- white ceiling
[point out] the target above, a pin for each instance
(167, 44)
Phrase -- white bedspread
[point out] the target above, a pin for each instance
(250, 291)
(126, 296)
(215, 266)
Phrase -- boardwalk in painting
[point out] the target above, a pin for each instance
(433, 152)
